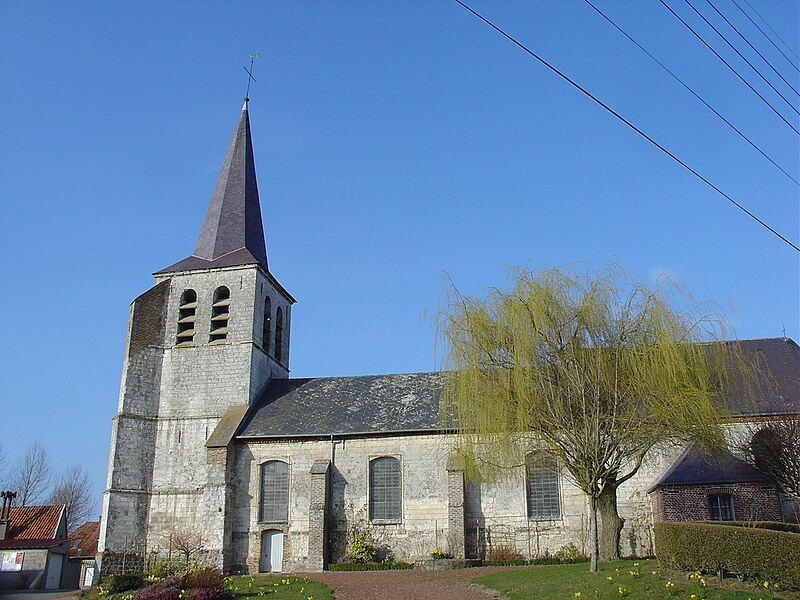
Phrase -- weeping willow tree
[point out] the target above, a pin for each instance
(597, 368)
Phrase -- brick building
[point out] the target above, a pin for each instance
(214, 441)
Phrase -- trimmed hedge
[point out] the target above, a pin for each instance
(774, 525)
(748, 552)
(371, 566)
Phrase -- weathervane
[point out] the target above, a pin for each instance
(250, 76)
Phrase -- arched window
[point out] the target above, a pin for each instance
(274, 501)
(187, 311)
(266, 331)
(279, 334)
(384, 489)
(220, 313)
(541, 482)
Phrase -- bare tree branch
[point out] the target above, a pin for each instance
(73, 489)
(30, 475)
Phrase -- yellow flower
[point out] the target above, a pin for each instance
(635, 564)
(766, 584)
(610, 578)
(693, 597)
(577, 594)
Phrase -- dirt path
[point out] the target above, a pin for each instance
(410, 584)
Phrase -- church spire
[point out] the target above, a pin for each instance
(232, 232)
(233, 218)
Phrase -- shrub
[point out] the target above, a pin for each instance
(203, 577)
(503, 553)
(360, 548)
(122, 583)
(209, 593)
(569, 554)
(748, 552)
(386, 565)
(166, 589)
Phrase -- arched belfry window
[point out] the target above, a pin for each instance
(266, 332)
(541, 486)
(274, 501)
(279, 334)
(384, 489)
(187, 313)
(220, 313)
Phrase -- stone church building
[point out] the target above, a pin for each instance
(215, 446)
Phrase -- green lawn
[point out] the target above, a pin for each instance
(621, 579)
(276, 587)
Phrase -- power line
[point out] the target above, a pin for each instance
(767, 81)
(624, 120)
(746, 41)
(788, 47)
(697, 35)
(695, 94)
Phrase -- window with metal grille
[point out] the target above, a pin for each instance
(384, 489)
(274, 505)
(721, 507)
(279, 334)
(541, 481)
(187, 311)
(220, 313)
(266, 330)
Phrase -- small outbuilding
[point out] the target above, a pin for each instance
(33, 546)
(82, 571)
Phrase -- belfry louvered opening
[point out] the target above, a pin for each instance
(279, 334)
(384, 490)
(187, 315)
(266, 330)
(274, 501)
(220, 314)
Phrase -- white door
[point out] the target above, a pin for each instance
(88, 577)
(54, 572)
(271, 551)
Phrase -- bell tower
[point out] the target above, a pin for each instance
(203, 343)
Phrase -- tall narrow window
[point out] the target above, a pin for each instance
(721, 506)
(266, 332)
(541, 482)
(187, 312)
(274, 502)
(279, 334)
(220, 313)
(384, 489)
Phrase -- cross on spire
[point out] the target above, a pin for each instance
(250, 76)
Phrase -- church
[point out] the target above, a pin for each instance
(216, 451)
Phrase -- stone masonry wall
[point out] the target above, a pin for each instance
(493, 515)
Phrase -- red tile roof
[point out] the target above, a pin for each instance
(18, 544)
(83, 541)
(34, 522)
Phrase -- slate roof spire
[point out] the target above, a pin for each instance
(232, 232)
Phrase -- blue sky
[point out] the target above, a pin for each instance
(394, 142)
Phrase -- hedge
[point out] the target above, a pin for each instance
(775, 525)
(748, 552)
(389, 565)
(550, 560)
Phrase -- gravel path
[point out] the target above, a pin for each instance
(410, 584)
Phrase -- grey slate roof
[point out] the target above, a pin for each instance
(380, 404)
(371, 404)
(232, 233)
(779, 394)
(698, 467)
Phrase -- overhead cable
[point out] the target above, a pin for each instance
(751, 65)
(691, 91)
(746, 41)
(624, 120)
(788, 47)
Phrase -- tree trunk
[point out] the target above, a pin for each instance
(610, 523)
(593, 541)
